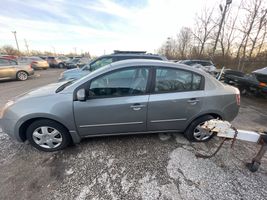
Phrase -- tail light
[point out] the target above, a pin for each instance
(262, 84)
(238, 99)
(33, 62)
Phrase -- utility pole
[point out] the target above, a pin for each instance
(15, 34)
(227, 4)
(54, 50)
(27, 46)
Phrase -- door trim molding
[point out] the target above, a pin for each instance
(167, 120)
(112, 124)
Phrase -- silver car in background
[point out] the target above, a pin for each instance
(125, 97)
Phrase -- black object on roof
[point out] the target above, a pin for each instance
(133, 52)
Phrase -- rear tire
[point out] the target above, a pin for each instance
(194, 132)
(47, 135)
(22, 76)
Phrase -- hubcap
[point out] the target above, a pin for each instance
(201, 134)
(47, 137)
(22, 76)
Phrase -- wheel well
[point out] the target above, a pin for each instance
(26, 124)
(214, 115)
(22, 71)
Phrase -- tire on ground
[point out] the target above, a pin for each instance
(189, 133)
(19, 73)
(66, 138)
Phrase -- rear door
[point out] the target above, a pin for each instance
(177, 96)
(7, 68)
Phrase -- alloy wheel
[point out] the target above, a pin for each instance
(22, 76)
(201, 134)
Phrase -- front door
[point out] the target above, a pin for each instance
(117, 103)
(178, 96)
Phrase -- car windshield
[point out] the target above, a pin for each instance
(36, 59)
(75, 60)
(88, 66)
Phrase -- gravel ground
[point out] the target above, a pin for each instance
(154, 166)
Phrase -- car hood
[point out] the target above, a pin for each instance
(42, 91)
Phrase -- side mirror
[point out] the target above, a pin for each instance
(81, 95)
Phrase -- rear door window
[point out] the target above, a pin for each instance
(176, 80)
(4, 62)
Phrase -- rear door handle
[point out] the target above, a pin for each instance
(193, 101)
(137, 106)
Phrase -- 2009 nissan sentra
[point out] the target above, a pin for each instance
(126, 97)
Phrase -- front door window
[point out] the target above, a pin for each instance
(125, 82)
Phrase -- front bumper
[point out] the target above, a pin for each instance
(8, 126)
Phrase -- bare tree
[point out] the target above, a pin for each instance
(204, 28)
(9, 50)
(262, 22)
(252, 8)
(264, 36)
(230, 26)
(183, 42)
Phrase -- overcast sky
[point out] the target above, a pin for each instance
(96, 26)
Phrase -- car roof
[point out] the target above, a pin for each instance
(208, 61)
(3, 58)
(151, 63)
(134, 55)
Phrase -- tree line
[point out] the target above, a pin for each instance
(9, 50)
(238, 33)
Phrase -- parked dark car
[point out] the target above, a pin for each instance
(62, 60)
(56, 62)
(105, 60)
(77, 62)
(250, 84)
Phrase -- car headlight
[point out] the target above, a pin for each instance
(8, 104)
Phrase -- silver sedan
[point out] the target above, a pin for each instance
(126, 97)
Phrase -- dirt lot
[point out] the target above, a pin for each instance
(154, 166)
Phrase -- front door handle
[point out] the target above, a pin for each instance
(137, 106)
(193, 101)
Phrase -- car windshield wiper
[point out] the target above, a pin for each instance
(62, 87)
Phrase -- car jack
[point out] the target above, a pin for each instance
(225, 130)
